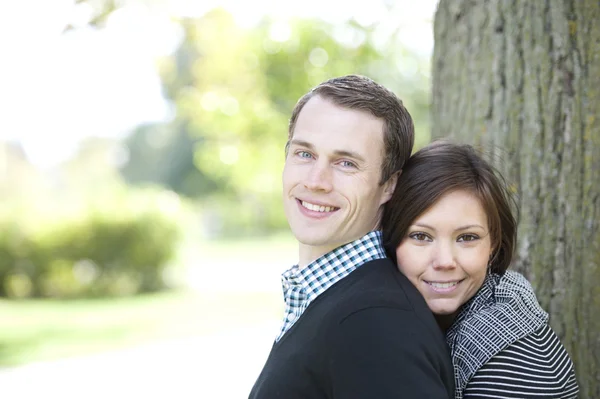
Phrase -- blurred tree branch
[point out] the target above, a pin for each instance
(101, 10)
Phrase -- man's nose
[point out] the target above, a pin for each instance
(319, 177)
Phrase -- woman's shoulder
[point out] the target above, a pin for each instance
(507, 301)
(537, 363)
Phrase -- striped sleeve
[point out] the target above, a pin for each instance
(537, 366)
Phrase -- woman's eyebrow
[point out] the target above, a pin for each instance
(470, 226)
(465, 227)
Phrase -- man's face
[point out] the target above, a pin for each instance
(331, 177)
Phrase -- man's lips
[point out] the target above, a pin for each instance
(315, 206)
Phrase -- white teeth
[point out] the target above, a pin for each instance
(317, 208)
(443, 285)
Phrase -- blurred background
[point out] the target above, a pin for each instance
(141, 146)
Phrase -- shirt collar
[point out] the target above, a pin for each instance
(328, 269)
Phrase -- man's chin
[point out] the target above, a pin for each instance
(309, 239)
(312, 240)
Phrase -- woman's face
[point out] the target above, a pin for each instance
(446, 251)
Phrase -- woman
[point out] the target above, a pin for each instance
(451, 230)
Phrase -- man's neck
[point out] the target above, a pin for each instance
(309, 253)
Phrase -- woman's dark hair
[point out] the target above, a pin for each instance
(438, 169)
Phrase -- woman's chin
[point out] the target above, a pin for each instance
(443, 307)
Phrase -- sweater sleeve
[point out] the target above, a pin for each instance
(384, 352)
(534, 367)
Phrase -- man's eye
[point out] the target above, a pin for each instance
(303, 154)
(468, 238)
(348, 164)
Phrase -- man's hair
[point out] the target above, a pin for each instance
(361, 93)
(441, 168)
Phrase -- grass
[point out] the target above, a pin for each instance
(42, 329)
(34, 330)
(277, 245)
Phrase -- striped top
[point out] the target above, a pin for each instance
(503, 347)
(536, 366)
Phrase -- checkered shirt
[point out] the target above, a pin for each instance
(302, 285)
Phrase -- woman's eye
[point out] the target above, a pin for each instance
(419, 236)
(467, 238)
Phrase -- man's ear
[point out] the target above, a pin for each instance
(389, 186)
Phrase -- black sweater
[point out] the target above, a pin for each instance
(370, 335)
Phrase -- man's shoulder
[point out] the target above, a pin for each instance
(379, 302)
(380, 276)
(376, 283)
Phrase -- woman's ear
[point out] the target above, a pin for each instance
(492, 256)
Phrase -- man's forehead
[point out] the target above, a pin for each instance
(328, 127)
(319, 107)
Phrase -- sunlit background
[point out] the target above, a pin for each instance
(141, 146)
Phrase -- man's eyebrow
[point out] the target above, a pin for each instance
(302, 143)
(349, 154)
(338, 153)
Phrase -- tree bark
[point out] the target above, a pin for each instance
(521, 78)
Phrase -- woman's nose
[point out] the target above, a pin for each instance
(444, 256)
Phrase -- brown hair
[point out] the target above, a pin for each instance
(362, 93)
(438, 169)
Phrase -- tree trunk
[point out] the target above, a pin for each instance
(522, 78)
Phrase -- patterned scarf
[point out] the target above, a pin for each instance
(503, 311)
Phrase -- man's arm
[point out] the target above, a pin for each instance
(385, 352)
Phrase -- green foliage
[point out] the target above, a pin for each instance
(116, 246)
(233, 90)
(101, 9)
(245, 216)
(40, 330)
(163, 154)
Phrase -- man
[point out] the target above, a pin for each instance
(354, 326)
